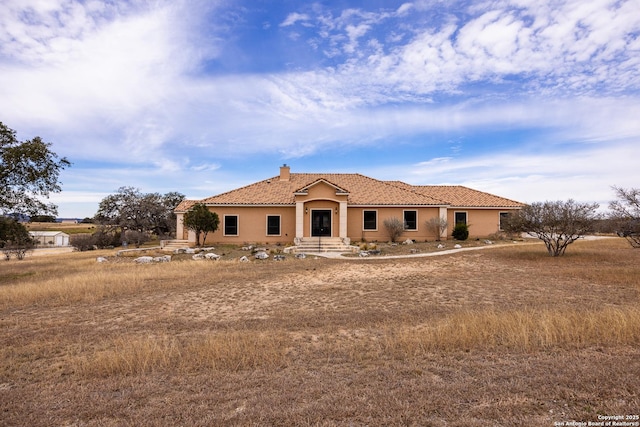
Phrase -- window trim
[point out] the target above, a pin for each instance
(224, 226)
(466, 217)
(375, 211)
(279, 225)
(404, 220)
(500, 215)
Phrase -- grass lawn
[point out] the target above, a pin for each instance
(499, 337)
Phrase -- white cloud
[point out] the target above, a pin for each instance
(293, 18)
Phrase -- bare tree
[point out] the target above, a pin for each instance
(395, 227)
(437, 225)
(557, 224)
(625, 214)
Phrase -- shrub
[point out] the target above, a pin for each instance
(395, 227)
(461, 231)
(82, 242)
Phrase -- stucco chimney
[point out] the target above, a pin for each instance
(285, 172)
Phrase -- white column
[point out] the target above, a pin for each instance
(179, 226)
(299, 220)
(343, 219)
(443, 216)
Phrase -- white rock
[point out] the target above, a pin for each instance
(408, 242)
(457, 247)
(212, 256)
(440, 246)
(301, 256)
(363, 254)
(101, 259)
(143, 260)
(279, 258)
(244, 259)
(261, 255)
(197, 256)
(164, 258)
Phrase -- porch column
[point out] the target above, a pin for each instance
(343, 219)
(299, 220)
(180, 226)
(443, 216)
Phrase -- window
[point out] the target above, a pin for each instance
(231, 225)
(370, 220)
(410, 220)
(460, 218)
(273, 225)
(503, 217)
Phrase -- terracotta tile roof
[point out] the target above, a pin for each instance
(362, 190)
(460, 196)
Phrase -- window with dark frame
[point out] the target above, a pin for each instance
(273, 225)
(460, 218)
(370, 220)
(410, 220)
(503, 217)
(231, 225)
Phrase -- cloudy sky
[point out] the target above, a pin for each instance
(528, 99)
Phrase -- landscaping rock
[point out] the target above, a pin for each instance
(164, 258)
(143, 260)
(457, 247)
(101, 259)
(261, 255)
(244, 259)
(212, 256)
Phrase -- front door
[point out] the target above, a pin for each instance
(321, 223)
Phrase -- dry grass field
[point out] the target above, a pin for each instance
(499, 337)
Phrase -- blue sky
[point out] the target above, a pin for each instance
(528, 99)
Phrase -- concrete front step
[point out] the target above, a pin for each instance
(324, 244)
(174, 244)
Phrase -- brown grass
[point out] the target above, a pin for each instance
(504, 336)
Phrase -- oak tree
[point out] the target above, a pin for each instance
(29, 171)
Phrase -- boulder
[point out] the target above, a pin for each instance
(457, 247)
(164, 258)
(197, 256)
(440, 246)
(244, 259)
(212, 256)
(261, 255)
(101, 259)
(143, 260)
(408, 242)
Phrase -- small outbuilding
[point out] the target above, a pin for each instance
(50, 238)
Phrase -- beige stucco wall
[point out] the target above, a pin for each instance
(252, 225)
(481, 222)
(253, 221)
(355, 224)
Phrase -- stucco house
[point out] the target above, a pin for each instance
(336, 208)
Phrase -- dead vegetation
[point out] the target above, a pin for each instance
(506, 336)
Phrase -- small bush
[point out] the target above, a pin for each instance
(395, 227)
(460, 231)
(82, 242)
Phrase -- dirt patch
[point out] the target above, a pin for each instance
(337, 341)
